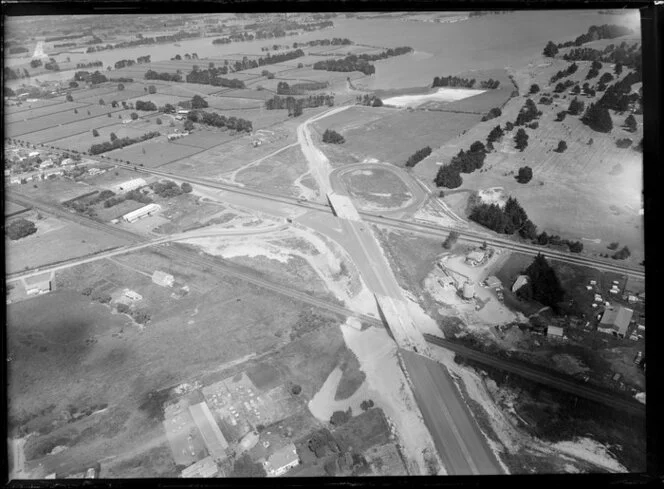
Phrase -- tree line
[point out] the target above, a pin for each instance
(335, 41)
(118, 143)
(165, 76)
(217, 120)
(510, 219)
(210, 77)
(179, 36)
(369, 100)
(623, 55)
(283, 88)
(570, 70)
(91, 64)
(146, 105)
(418, 156)
(360, 63)
(277, 102)
(453, 81)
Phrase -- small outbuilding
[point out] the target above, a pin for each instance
(615, 320)
(474, 258)
(162, 278)
(555, 332)
(468, 290)
(520, 281)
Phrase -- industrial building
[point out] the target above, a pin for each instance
(615, 320)
(129, 185)
(162, 278)
(202, 469)
(212, 436)
(468, 290)
(144, 211)
(282, 461)
(38, 284)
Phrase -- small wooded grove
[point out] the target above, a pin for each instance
(217, 120)
(464, 162)
(418, 156)
(20, 228)
(360, 62)
(118, 143)
(333, 137)
(291, 103)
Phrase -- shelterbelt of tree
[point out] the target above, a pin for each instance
(360, 62)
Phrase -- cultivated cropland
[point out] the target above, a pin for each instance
(319, 244)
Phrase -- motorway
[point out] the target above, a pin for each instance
(458, 439)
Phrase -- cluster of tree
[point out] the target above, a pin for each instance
(562, 147)
(198, 102)
(136, 195)
(624, 143)
(550, 50)
(521, 139)
(335, 41)
(210, 77)
(360, 63)
(562, 86)
(165, 76)
(96, 149)
(492, 114)
(494, 135)
(64, 45)
(544, 100)
(340, 417)
(20, 228)
(618, 97)
(244, 466)
(333, 137)
(91, 64)
(146, 106)
(216, 120)
(527, 113)
(187, 56)
(570, 70)
(451, 239)
(512, 218)
(122, 79)
(630, 123)
(36, 63)
(322, 441)
(123, 63)
(544, 285)
(366, 405)
(453, 81)
(369, 100)
(418, 156)
(10, 74)
(534, 88)
(622, 55)
(594, 70)
(283, 88)
(290, 103)
(166, 189)
(576, 106)
(464, 162)
(597, 117)
(605, 31)
(172, 38)
(524, 175)
(51, 65)
(544, 239)
(622, 254)
(489, 84)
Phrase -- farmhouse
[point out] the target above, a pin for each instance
(474, 258)
(129, 185)
(131, 295)
(554, 332)
(202, 469)
(520, 281)
(39, 284)
(615, 320)
(162, 278)
(282, 461)
(144, 211)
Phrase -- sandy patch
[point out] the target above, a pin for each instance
(494, 195)
(377, 354)
(569, 364)
(590, 451)
(441, 95)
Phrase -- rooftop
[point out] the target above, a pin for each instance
(618, 318)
